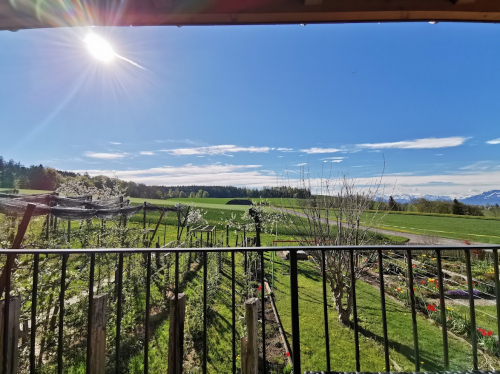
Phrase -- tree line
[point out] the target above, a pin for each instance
(423, 205)
(13, 175)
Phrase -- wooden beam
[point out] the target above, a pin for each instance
(313, 2)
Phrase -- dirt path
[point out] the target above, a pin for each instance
(413, 239)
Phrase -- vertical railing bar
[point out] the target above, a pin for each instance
(325, 310)
(263, 305)
(176, 297)
(90, 311)
(6, 310)
(413, 310)
(294, 296)
(354, 309)
(384, 314)
(119, 285)
(34, 304)
(472, 309)
(60, 343)
(205, 268)
(497, 288)
(442, 306)
(146, 325)
(233, 309)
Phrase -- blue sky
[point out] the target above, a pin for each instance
(251, 105)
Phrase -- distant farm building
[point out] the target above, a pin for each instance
(239, 202)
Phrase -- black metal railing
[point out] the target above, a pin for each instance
(294, 296)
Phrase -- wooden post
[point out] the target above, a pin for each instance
(176, 334)
(249, 345)
(227, 235)
(98, 335)
(12, 342)
(156, 228)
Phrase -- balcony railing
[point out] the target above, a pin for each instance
(353, 253)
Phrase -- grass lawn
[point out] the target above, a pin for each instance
(369, 314)
(219, 330)
(312, 333)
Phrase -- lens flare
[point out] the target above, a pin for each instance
(99, 48)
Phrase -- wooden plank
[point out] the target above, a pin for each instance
(98, 348)
(176, 334)
(251, 353)
(13, 348)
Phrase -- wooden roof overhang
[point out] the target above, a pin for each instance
(24, 14)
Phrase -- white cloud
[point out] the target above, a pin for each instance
(285, 149)
(223, 150)
(302, 164)
(419, 143)
(209, 175)
(105, 156)
(115, 143)
(453, 185)
(494, 141)
(147, 153)
(315, 150)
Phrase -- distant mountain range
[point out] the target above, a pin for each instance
(489, 197)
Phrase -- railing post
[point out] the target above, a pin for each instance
(413, 310)
(97, 359)
(497, 287)
(10, 347)
(249, 344)
(472, 311)
(176, 334)
(294, 296)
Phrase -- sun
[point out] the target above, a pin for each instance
(99, 48)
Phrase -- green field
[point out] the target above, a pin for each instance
(26, 192)
(456, 227)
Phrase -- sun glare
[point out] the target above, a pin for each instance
(99, 48)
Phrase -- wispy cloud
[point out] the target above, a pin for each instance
(333, 159)
(147, 153)
(222, 150)
(105, 156)
(419, 143)
(482, 166)
(285, 149)
(315, 150)
(494, 141)
(115, 143)
(301, 164)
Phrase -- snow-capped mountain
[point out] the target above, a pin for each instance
(489, 197)
(408, 198)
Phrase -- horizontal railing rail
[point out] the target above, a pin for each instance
(325, 253)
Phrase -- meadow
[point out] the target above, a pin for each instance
(477, 229)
